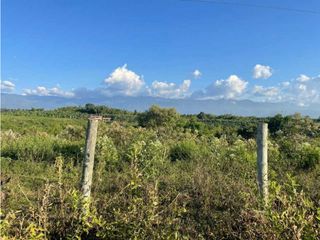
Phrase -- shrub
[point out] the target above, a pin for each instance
(72, 132)
(39, 147)
(291, 214)
(208, 191)
(185, 150)
(34, 148)
(310, 157)
(157, 117)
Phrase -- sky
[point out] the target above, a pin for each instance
(202, 49)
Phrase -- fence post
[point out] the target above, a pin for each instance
(262, 160)
(88, 163)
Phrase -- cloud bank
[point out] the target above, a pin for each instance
(43, 91)
(229, 88)
(169, 90)
(302, 90)
(7, 86)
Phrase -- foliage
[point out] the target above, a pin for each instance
(310, 156)
(38, 147)
(291, 214)
(185, 150)
(170, 176)
(157, 117)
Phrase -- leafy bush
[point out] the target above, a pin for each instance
(291, 214)
(185, 150)
(310, 157)
(180, 178)
(72, 132)
(33, 148)
(39, 147)
(157, 117)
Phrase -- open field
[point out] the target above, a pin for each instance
(157, 175)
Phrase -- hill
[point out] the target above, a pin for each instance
(185, 106)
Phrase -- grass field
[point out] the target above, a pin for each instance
(160, 175)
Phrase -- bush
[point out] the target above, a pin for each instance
(73, 132)
(158, 117)
(310, 157)
(185, 150)
(176, 179)
(39, 148)
(34, 148)
(291, 214)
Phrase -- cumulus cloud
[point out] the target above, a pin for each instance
(229, 88)
(196, 73)
(302, 91)
(303, 78)
(232, 87)
(123, 81)
(267, 93)
(43, 91)
(7, 86)
(170, 90)
(262, 71)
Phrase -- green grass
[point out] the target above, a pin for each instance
(176, 181)
(33, 124)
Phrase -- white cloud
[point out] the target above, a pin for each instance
(302, 87)
(196, 73)
(123, 81)
(306, 92)
(170, 90)
(285, 84)
(185, 85)
(230, 88)
(43, 91)
(303, 78)
(7, 86)
(303, 90)
(262, 71)
(266, 91)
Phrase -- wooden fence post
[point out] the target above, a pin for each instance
(88, 163)
(262, 160)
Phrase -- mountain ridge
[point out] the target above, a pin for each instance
(185, 105)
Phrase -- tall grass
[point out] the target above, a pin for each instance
(156, 183)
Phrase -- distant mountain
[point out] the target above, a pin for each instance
(188, 105)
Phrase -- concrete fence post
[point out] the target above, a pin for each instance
(88, 163)
(262, 159)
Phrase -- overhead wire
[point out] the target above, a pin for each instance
(241, 4)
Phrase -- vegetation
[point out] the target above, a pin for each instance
(158, 175)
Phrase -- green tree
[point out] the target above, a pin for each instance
(90, 108)
(276, 123)
(157, 117)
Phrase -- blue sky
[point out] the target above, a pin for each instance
(65, 45)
